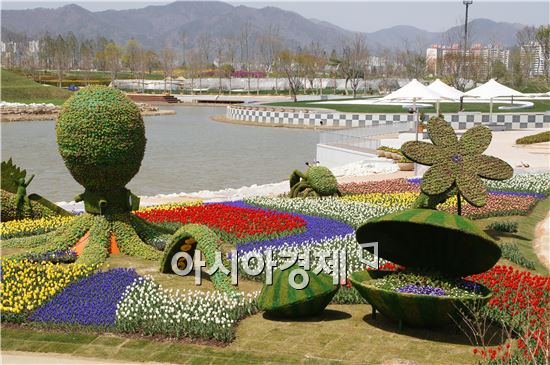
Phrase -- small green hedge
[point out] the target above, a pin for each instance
(510, 251)
(504, 226)
(535, 138)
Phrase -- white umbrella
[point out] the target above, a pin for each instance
(444, 90)
(490, 90)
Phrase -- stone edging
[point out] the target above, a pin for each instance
(305, 117)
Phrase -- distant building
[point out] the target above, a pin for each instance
(532, 53)
(437, 55)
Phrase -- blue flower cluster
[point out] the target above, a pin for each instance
(56, 257)
(317, 228)
(421, 289)
(90, 301)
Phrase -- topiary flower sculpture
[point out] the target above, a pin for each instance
(101, 138)
(457, 163)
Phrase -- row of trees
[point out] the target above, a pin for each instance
(264, 50)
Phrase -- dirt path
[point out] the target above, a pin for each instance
(34, 358)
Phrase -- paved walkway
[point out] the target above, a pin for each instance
(542, 241)
(37, 358)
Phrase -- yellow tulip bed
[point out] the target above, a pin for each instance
(28, 226)
(26, 285)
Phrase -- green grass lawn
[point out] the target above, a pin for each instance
(539, 106)
(16, 88)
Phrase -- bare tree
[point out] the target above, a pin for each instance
(168, 63)
(112, 54)
(230, 55)
(61, 53)
(543, 39)
(353, 61)
(245, 43)
(86, 59)
(288, 63)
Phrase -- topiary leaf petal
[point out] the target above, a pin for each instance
(475, 141)
(471, 187)
(437, 179)
(441, 133)
(421, 152)
(493, 168)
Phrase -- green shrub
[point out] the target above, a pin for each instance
(346, 295)
(535, 138)
(504, 226)
(510, 251)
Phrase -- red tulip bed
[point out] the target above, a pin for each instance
(521, 301)
(233, 224)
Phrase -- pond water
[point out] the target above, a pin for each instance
(185, 152)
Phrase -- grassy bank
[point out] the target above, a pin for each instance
(539, 106)
(19, 89)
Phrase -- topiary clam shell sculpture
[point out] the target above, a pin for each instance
(101, 138)
(428, 240)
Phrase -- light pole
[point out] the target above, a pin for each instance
(467, 3)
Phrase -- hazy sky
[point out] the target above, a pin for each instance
(366, 16)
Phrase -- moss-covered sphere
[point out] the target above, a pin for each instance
(322, 180)
(101, 138)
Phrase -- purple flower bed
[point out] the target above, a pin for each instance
(318, 228)
(421, 289)
(56, 257)
(90, 301)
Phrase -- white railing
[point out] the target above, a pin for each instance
(361, 138)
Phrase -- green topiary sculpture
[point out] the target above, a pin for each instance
(16, 204)
(282, 300)
(317, 181)
(193, 237)
(456, 164)
(101, 138)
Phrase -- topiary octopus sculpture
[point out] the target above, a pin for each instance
(317, 181)
(101, 138)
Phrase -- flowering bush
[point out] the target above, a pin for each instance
(352, 213)
(232, 223)
(28, 227)
(149, 309)
(521, 301)
(26, 285)
(90, 301)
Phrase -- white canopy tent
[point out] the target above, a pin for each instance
(490, 90)
(445, 90)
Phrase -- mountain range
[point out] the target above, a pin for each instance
(157, 26)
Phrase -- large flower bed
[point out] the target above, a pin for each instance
(232, 223)
(148, 308)
(521, 301)
(25, 285)
(498, 203)
(90, 301)
(352, 213)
